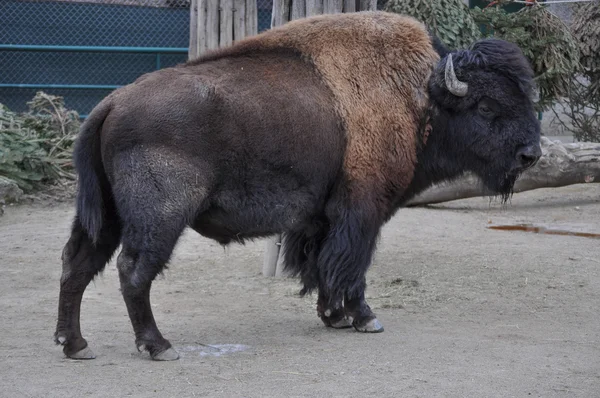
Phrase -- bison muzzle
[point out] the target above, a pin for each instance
(320, 130)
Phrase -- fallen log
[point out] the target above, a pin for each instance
(560, 165)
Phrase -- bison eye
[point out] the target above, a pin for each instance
(485, 110)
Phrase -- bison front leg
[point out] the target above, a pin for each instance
(357, 309)
(332, 312)
(301, 250)
(351, 311)
(343, 261)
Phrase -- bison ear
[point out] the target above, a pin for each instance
(454, 85)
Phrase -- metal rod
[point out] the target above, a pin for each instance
(28, 47)
(73, 86)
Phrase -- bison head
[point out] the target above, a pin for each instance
(483, 115)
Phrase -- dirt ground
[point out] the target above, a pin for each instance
(468, 312)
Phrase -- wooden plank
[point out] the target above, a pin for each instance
(338, 6)
(193, 46)
(276, 13)
(251, 18)
(287, 11)
(201, 30)
(298, 9)
(239, 19)
(349, 6)
(212, 24)
(333, 6)
(314, 7)
(226, 23)
(368, 5)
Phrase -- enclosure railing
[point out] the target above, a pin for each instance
(21, 47)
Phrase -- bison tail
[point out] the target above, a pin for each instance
(93, 187)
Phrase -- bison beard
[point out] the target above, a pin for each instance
(320, 129)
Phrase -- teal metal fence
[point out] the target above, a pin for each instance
(84, 49)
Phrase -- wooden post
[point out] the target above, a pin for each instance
(239, 19)
(193, 47)
(212, 24)
(271, 262)
(218, 23)
(226, 23)
(284, 11)
(251, 18)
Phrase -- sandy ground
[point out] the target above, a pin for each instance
(467, 311)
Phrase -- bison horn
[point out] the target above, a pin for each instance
(454, 85)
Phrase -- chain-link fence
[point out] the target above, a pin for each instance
(264, 9)
(83, 49)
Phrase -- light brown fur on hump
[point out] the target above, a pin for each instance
(377, 65)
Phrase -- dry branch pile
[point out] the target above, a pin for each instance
(36, 146)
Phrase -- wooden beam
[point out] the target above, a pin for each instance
(298, 9)
(349, 6)
(314, 7)
(239, 19)
(251, 18)
(226, 23)
(193, 46)
(368, 5)
(212, 24)
(333, 6)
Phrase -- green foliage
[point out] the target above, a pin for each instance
(36, 146)
(450, 20)
(543, 37)
(545, 41)
(586, 30)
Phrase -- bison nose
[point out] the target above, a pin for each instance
(528, 156)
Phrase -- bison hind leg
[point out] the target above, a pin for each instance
(82, 261)
(148, 243)
(155, 204)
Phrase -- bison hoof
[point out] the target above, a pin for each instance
(342, 323)
(335, 319)
(168, 355)
(74, 348)
(368, 326)
(86, 353)
(159, 353)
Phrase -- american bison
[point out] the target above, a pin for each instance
(320, 130)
